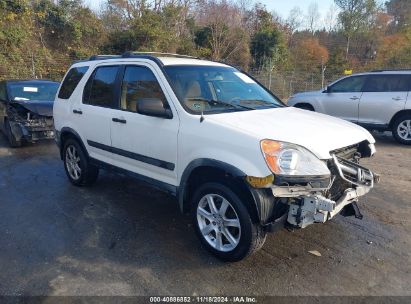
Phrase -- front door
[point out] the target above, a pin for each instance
(343, 98)
(144, 144)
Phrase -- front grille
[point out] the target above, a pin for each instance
(353, 172)
(345, 170)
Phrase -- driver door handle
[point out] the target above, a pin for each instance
(120, 120)
(75, 111)
(355, 98)
(396, 98)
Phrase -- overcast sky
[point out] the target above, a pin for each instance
(282, 7)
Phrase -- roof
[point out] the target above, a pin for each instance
(164, 59)
(188, 61)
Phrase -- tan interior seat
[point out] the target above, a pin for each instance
(193, 90)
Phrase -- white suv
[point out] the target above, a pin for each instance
(379, 100)
(234, 156)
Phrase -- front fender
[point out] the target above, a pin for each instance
(203, 162)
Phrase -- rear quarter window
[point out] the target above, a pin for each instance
(71, 81)
(388, 83)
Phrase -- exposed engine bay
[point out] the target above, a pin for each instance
(29, 122)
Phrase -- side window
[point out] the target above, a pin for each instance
(139, 83)
(347, 85)
(100, 88)
(388, 83)
(71, 81)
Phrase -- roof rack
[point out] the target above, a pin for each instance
(391, 70)
(103, 57)
(148, 55)
(156, 54)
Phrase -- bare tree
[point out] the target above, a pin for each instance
(313, 17)
(224, 21)
(295, 19)
(330, 18)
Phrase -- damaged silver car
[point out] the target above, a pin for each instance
(26, 110)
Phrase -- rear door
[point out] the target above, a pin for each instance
(383, 96)
(343, 98)
(93, 116)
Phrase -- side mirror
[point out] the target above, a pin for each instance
(327, 89)
(153, 107)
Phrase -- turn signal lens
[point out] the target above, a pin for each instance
(270, 149)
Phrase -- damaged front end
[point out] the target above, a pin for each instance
(29, 125)
(303, 200)
(348, 182)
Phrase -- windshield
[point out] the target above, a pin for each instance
(214, 89)
(26, 91)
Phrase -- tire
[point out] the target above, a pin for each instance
(401, 129)
(234, 223)
(77, 165)
(304, 106)
(13, 142)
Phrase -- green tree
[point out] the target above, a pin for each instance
(355, 16)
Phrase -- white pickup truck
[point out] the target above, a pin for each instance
(233, 154)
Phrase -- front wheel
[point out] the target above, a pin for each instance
(402, 129)
(223, 223)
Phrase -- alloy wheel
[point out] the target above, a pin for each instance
(73, 162)
(218, 222)
(404, 130)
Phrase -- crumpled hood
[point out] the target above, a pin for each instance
(44, 108)
(317, 132)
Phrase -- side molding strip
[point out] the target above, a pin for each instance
(142, 158)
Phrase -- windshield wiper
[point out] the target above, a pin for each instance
(266, 103)
(213, 101)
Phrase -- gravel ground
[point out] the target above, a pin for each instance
(121, 237)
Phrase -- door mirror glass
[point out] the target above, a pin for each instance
(153, 107)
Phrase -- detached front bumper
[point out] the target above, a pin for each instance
(304, 201)
(316, 208)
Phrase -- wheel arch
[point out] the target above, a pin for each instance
(67, 133)
(207, 170)
(304, 105)
(398, 114)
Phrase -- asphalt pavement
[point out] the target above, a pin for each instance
(122, 237)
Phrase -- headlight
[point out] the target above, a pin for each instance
(289, 159)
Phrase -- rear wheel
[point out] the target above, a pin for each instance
(77, 165)
(402, 129)
(223, 223)
(13, 142)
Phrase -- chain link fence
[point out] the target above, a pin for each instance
(285, 84)
(282, 83)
